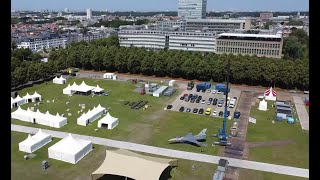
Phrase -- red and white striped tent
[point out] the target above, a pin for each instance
(270, 94)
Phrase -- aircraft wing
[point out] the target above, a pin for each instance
(189, 138)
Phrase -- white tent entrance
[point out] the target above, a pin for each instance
(108, 122)
(60, 80)
(263, 105)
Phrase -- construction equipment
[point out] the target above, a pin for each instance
(222, 134)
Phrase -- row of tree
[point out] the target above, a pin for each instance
(249, 70)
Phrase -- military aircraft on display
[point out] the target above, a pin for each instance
(191, 139)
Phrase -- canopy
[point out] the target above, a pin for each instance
(70, 149)
(33, 143)
(91, 115)
(108, 120)
(39, 118)
(83, 87)
(270, 94)
(263, 105)
(97, 89)
(60, 80)
(27, 96)
(17, 101)
(129, 164)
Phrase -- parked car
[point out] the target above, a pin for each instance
(228, 113)
(214, 91)
(169, 106)
(192, 100)
(208, 90)
(214, 103)
(236, 114)
(214, 113)
(195, 110)
(200, 97)
(218, 92)
(208, 112)
(188, 110)
(220, 103)
(195, 96)
(203, 101)
(220, 113)
(181, 109)
(201, 111)
(198, 100)
(182, 98)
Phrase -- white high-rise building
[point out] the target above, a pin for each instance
(89, 14)
(192, 9)
(66, 10)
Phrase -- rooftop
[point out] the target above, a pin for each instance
(251, 35)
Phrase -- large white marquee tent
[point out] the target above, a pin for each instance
(60, 80)
(70, 150)
(33, 143)
(263, 105)
(83, 89)
(108, 122)
(32, 98)
(91, 115)
(46, 119)
(17, 101)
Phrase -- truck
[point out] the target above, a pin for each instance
(203, 86)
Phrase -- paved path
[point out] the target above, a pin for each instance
(302, 112)
(174, 153)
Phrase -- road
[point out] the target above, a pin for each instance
(302, 112)
(174, 153)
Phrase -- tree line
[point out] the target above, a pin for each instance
(106, 55)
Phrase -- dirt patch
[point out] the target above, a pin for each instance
(140, 133)
(270, 143)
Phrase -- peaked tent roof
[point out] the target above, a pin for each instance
(27, 96)
(56, 78)
(35, 94)
(129, 164)
(70, 145)
(61, 78)
(108, 118)
(97, 89)
(268, 92)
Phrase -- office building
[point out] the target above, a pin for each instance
(266, 16)
(38, 44)
(217, 25)
(192, 9)
(251, 44)
(89, 14)
(178, 40)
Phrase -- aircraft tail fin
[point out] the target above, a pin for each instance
(203, 132)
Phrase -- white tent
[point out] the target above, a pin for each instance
(270, 94)
(108, 122)
(263, 105)
(27, 98)
(82, 88)
(60, 80)
(39, 118)
(97, 89)
(91, 115)
(33, 143)
(108, 75)
(17, 101)
(36, 97)
(70, 150)
(67, 90)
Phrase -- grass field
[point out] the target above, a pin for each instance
(296, 154)
(153, 126)
(31, 169)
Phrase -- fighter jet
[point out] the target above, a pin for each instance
(189, 138)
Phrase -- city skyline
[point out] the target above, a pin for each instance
(160, 5)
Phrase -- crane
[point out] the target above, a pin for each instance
(222, 133)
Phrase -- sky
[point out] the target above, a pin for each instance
(160, 5)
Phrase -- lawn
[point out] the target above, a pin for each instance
(31, 169)
(153, 126)
(296, 154)
(260, 175)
